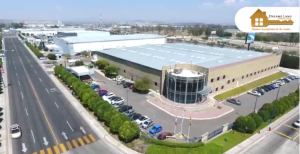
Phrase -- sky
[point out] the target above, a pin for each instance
(204, 11)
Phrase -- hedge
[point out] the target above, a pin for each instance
(171, 144)
(91, 100)
(34, 50)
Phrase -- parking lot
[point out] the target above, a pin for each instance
(198, 127)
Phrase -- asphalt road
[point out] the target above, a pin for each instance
(40, 109)
(279, 144)
(199, 127)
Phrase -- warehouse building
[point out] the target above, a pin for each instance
(94, 42)
(83, 34)
(187, 73)
(45, 31)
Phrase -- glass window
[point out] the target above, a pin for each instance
(243, 77)
(200, 85)
(192, 85)
(228, 81)
(222, 87)
(224, 76)
(254, 73)
(171, 84)
(233, 80)
(182, 98)
(247, 76)
(178, 85)
(177, 98)
(250, 74)
(190, 99)
(183, 86)
(211, 80)
(218, 78)
(217, 89)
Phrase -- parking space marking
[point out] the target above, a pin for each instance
(296, 136)
(284, 135)
(291, 127)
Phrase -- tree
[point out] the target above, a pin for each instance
(159, 29)
(288, 61)
(46, 49)
(227, 34)
(91, 102)
(58, 69)
(85, 53)
(108, 115)
(117, 121)
(51, 56)
(142, 85)
(258, 120)
(264, 115)
(96, 106)
(208, 31)
(102, 109)
(68, 56)
(244, 124)
(128, 131)
(101, 64)
(111, 71)
(79, 63)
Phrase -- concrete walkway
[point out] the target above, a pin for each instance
(253, 140)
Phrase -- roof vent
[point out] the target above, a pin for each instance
(172, 60)
(250, 55)
(238, 57)
(177, 70)
(220, 61)
(197, 57)
(203, 58)
(193, 56)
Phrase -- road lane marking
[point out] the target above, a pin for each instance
(283, 135)
(92, 137)
(62, 147)
(69, 145)
(81, 142)
(31, 66)
(36, 96)
(32, 136)
(22, 94)
(56, 105)
(19, 83)
(16, 74)
(42, 152)
(292, 127)
(35, 153)
(15, 68)
(296, 136)
(49, 151)
(26, 111)
(28, 60)
(56, 150)
(86, 140)
(70, 126)
(35, 72)
(40, 79)
(47, 90)
(75, 143)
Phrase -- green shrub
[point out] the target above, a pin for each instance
(105, 106)
(108, 115)
(51, 56)
(35, 50)
(209, 148)
(91, 101)
(129, 131)
(142, 85)
(117, 121)
(101, 64)
(111, 71)
(258, 120)
(96, 106)
(267, 107)
(244, 124)
(265, 115)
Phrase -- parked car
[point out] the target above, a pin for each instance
(234, 101)
(43, 58)
(163, 135)
(276, 85)
(116, 100)
(296, 77)
(118, 105)
(129, 112)
(155, 129)
(291, 77)
(266, 89)
(113, 98)
(124, 108)
(102, 92)
(131, 87)
(95, 87)
(297, 123)
(135, 116)
(127, 84)
(261, 91)
(107, 96)
(121, 81)
(147, 124)
(254, 92)
(272, 86)
(142, 119)
(15, 130)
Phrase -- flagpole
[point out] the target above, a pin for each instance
(190, 123)
(182, 121)
(175, 125)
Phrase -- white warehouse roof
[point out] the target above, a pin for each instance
(81, 70)
(88, 39)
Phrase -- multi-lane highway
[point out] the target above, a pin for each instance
(48, 121)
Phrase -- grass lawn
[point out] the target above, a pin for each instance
(250, 86)
(237, 137)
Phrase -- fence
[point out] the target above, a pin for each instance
(209, 136)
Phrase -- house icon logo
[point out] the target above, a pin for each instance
(260, 19)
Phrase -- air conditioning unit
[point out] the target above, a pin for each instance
(177, 70)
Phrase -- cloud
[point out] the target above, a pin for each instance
(207, 4)
(229, 2)
(294, 3)
(58, 7)
(242, 0)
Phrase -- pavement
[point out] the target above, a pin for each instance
(49, 122)
(271, 142)
(199, 127)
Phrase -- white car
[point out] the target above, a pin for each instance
(297, 124)
(117, 100)
(253, 92)
(142, 119)
(107, 96)
(147, 124)
(15, 131)
(117, 105)
(43, 58)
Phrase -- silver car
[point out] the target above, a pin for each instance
(147, 124)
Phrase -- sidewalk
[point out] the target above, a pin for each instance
(250, 142)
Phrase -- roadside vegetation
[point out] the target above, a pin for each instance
(245, 126)
(118, 123)
(0, 42)
(250, 86)
(51, 56)
(34, 49)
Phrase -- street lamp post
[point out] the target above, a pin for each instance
(275, 104)
(182, 120)
(255, 103)
(127, 99)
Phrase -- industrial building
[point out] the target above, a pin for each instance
(187, 73)
(45, 31)
(95, 41)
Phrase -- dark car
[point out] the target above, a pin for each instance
(125, 108)
(286, 80)
(234, 101)
(127, 84)
(271, 87)
(264, 88)
(163, 135)
(135, 116)
(267, 87)
(260, 91)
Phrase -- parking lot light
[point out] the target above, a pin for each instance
(275, 104)
(182, 121)
(255, 103)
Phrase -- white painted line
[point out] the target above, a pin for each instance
(32, 136)
(19, 83)
(13, 61)
(22, 94)
(40, 79)
(16, 74)
(15, 68)
(56, 105)
(35, 72)
(31, 66)
(70, 126)
(26, 111)
(47, 90)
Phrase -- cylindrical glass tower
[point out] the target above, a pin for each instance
(183, 86)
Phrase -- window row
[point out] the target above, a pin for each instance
(218, 78)
(222, 87)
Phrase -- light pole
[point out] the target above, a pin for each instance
(255, 103)
(275, 104)
(127, 99)
(182, 120)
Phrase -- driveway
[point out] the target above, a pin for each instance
(199, 127)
